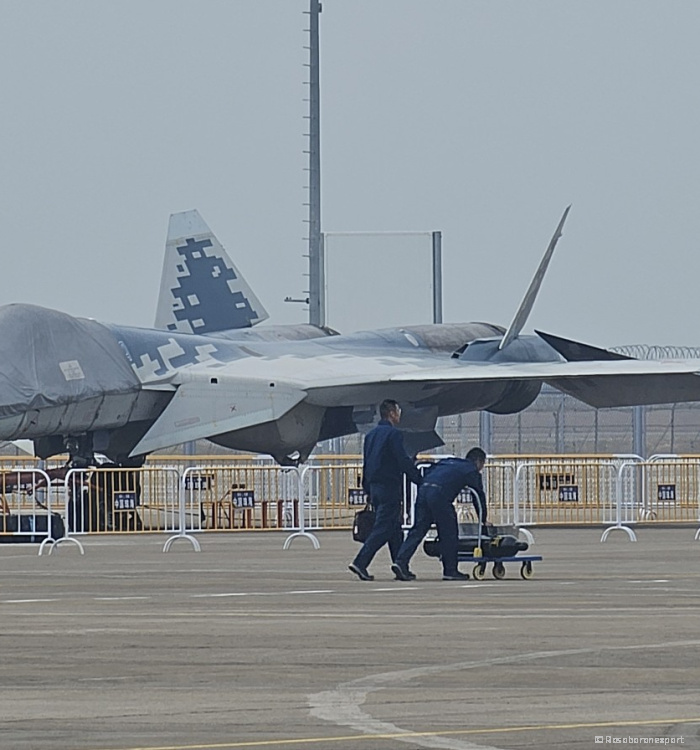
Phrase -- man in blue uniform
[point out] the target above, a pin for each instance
(385, 463)
(442, 482)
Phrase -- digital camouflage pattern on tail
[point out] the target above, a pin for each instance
(201, 289)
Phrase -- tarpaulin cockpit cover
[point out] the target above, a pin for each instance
(49, 358)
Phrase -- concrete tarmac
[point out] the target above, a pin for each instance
(245, 645)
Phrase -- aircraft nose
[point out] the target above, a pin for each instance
(49, 362)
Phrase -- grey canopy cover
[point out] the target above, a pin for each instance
(48, 358)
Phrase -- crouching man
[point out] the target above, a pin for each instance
(442, 482)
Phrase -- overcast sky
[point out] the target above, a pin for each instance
(480, 119)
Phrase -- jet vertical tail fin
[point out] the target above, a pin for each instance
(201, 290)
(531, 295)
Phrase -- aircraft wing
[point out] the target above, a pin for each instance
(210, 403)
(212, 400)
(327, 377)
(628, 382)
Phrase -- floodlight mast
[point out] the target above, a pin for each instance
(317, 312)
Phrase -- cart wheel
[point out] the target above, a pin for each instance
(479, 572)
(526, 571)
(499, 570)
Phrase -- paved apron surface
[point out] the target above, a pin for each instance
(245, 645)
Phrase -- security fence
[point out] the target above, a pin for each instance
(565, 492)
(500, 484)
(118, 500)
(246, 494)
(29, 512)
(240, 497)
(670, 490)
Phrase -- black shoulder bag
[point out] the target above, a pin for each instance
(363, 523)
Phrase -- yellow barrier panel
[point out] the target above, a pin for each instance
(115, 500)
(565, 492)
(243, 493)
(499, 484)
(671, 491)
(18, 488)
(242, 497)
(27, 510)
(8, 463)
(256, 496)
(335, 493)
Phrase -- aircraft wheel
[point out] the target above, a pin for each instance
(526, 571)
(499, 570)
(479, 572)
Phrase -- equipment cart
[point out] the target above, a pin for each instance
(475, 547)
(499, 569)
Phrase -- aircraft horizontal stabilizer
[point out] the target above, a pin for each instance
(574, 351)
(207, 404)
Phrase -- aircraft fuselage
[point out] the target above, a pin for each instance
(112, 382)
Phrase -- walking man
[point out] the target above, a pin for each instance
(442, 482)
(385, 463)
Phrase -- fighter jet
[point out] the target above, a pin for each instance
(207, 370)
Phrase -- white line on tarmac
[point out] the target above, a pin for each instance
(68, 631)
(260, 593)
(174, 616)
(215, 596)
(488, 588)
(655, 580)
(342, 705)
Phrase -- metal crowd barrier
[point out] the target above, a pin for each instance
(617, 492)
(335, 493)
(241, 497)
(119, 501)
(670, 490)
(17, 463)
(567, 492)
(499, 484)
(689, 488)
(28, 506)
(254, 494)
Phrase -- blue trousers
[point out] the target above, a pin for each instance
(433, 506)
(388, 506)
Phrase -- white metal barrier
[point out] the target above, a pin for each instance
(246, 497)
(626, 500)
(243, 495)
(303, 492)
(114, 500)
(569, 491)
(187, 483)
(28, 506)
